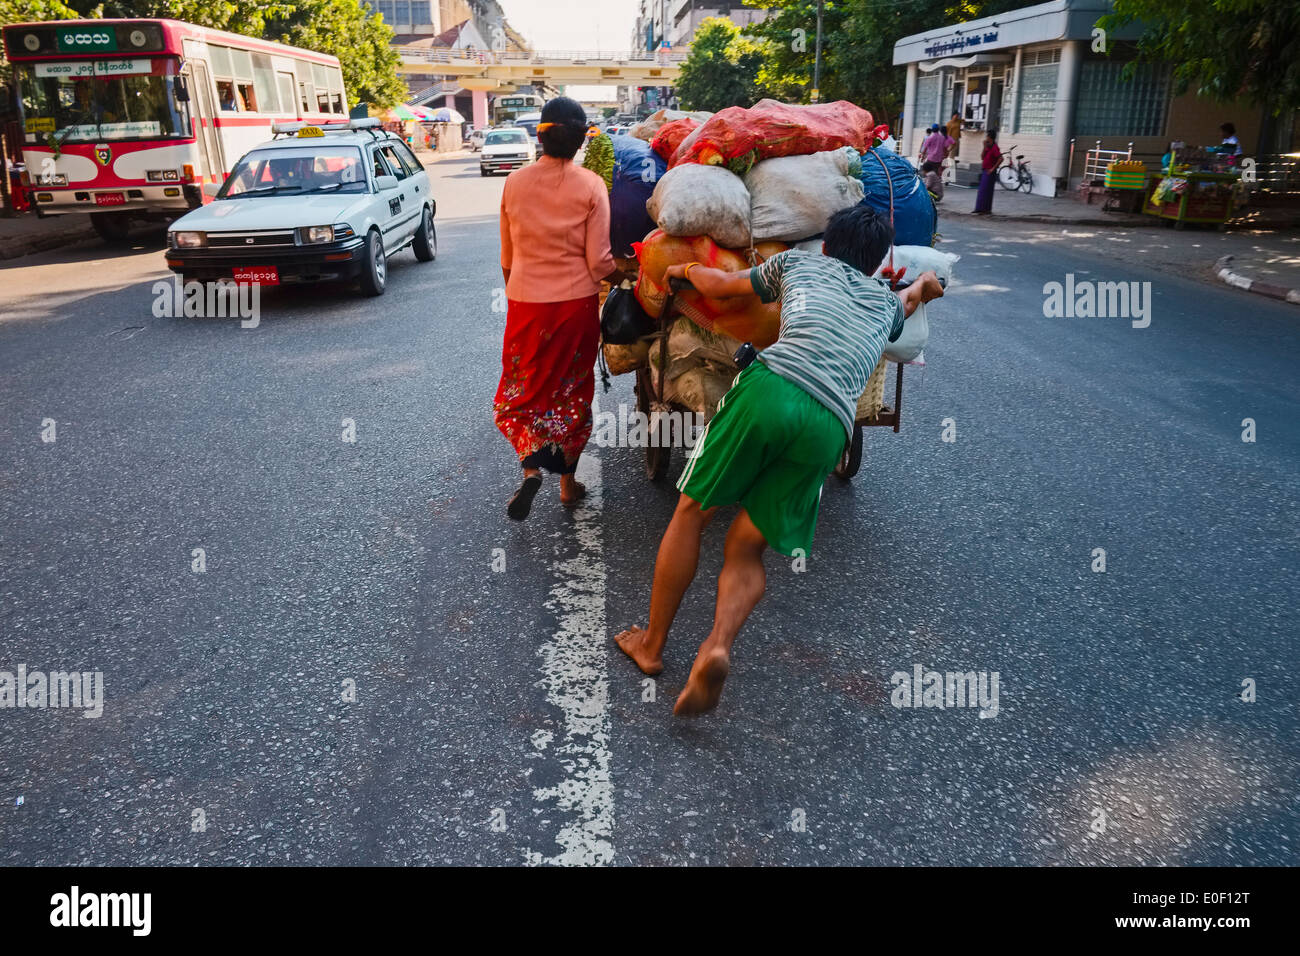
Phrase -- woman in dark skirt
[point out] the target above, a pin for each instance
(554, 253)
(989, 160)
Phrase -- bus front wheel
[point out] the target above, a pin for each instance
(113, 227)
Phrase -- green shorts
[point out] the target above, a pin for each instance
(769, 447)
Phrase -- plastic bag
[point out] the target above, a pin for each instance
(740, 137)
(915, 217)
(648, 127)
(670, 136)
(637, 170)
(622, 320)
(795, 196)
(698, 200)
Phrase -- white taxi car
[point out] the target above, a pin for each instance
(317, 203)
(508, 148)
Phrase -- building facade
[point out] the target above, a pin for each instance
(1043, 77)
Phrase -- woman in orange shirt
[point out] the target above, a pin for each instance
(554, 253)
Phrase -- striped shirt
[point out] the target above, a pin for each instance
(835, 322)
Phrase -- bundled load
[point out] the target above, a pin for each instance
(890, 181)
(795, 196)
(648, 127)
(702, 200)
(670, 136)
(743, 318)
(739, 188)
(738, 138)
(635, 172)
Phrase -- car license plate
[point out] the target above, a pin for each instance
(257, 275)
(110, 199)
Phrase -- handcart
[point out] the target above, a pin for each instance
(872, 412)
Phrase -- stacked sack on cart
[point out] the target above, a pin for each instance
(739, 187)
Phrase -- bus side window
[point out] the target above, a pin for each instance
(247, 100)
(226, 94)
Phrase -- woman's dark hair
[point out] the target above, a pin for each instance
(1228, 129)
(563, 139)
(858, 236)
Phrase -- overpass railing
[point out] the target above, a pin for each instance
(578, 57)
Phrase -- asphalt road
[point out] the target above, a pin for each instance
(494, 721)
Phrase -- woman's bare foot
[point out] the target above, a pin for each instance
(704, 686)
(633, 643)
(571, 492)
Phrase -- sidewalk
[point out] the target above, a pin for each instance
(1024, 207)
(1259, 252)
(25, 234)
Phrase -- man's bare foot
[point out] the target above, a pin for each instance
(633, 643)
(704, 686)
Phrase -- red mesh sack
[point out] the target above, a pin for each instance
(744, 318)
(670, 136)
(737, 137)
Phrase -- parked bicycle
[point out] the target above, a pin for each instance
(1013, 173)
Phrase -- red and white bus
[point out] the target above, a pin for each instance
(129, 118)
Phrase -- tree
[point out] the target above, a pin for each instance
(359, 38)
(722, 68)
(858, 38)
(1223, 49)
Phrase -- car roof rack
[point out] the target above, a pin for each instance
(370, 124)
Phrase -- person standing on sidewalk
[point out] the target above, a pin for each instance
(989, 161)
(954, 133)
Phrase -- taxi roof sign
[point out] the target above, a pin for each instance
(308, 131)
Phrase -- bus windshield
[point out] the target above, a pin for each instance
(292, 172)
(90, 109)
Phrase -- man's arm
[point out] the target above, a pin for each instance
(713, 283)
(924, 289)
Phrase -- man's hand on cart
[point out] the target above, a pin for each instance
(708, 282)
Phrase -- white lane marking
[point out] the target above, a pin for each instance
(575, 677)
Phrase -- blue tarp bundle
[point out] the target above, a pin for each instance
(637, 168)
(915, 218)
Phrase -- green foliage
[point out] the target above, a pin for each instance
(1222, 49)
(362, 42)
(599, 158)
(722, 69)
(858, 38)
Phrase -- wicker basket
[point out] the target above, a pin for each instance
(873, 398)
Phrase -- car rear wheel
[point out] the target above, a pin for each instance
(112, 227)
(426, 238)
(375, 275)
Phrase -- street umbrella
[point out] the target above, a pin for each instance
(447, 115)
(401, 114)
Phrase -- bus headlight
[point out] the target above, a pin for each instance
(189, 240)
(163, 176)
(309, 235)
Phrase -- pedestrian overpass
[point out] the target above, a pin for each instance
(500, 71)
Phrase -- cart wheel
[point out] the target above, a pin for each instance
(656, 459)
(851, 460)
